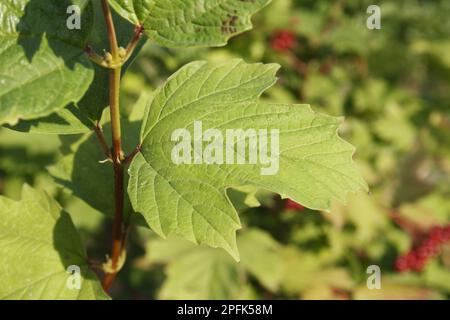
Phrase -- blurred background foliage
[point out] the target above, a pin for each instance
(392, 86)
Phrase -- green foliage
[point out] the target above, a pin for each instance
(310, 153)
(43, 66)
(191, 22)
(39, 242)
(392, 86)
(84, 156)
(218, 276)
(67, 121)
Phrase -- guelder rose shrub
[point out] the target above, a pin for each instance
(166, 176)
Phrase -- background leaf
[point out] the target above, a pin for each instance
(38, 242)
(190, 22)
(81, 118)
(84, 155)
(212, 273)
(67, 121)
(261, 257)
(42, 64)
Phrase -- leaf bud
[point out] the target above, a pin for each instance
(122, 52)
(108, 57)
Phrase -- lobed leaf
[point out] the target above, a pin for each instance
(42, 64)
(67, 121)
(38, 242)
(315, 164)
(184, 23)
(80, 118)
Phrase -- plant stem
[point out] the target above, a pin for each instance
(101, 138)
(138, 32)
(97, 59)
(111, 30)
(118, 229)
(131, 156)
(114, 96)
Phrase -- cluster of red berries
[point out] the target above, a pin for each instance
(293, 206)
(283, 40)
(416, 259)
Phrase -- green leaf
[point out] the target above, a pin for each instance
(216, 277)
(202, 274)
(83, 157)
(244, 197)
(315, 164)
(304, 270)
(159, 251)
(67, 121)
(190, 22)
(38, 243)
(80, 119)
(42, 64)
(261, 257)
(366, 216)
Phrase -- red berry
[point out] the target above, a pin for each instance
(401, 265)
(283, 40)
(292, 205)
(418, 265)
(436, 234)
(446, 234)
(433, 246)
(411, 258)
(417, 258)
(425, 252)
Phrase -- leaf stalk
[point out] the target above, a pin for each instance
(118, 228)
